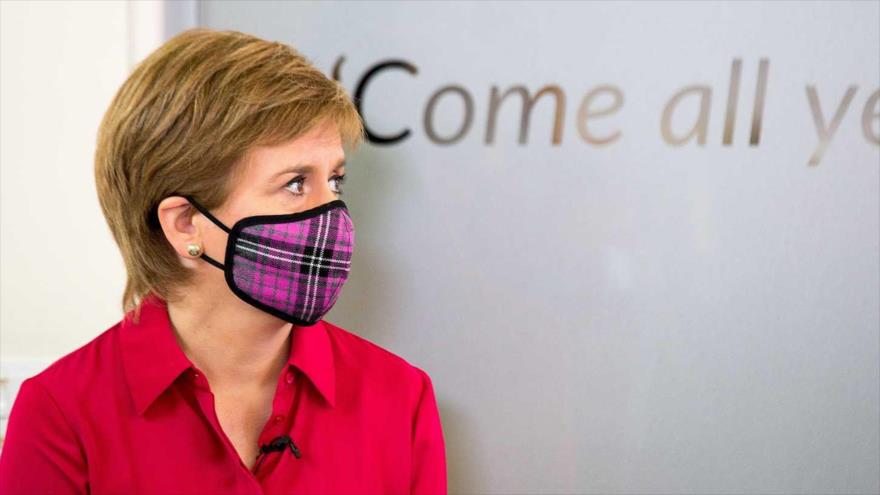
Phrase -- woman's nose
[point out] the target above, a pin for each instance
(324, 195)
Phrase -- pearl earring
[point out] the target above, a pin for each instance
(194, 250)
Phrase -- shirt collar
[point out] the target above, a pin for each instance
(153, 359)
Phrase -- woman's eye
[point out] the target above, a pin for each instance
(339, 180)
(296, 180)
(296, 185)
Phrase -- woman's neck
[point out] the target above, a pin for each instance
(236, 345)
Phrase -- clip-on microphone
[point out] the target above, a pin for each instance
(277, 445)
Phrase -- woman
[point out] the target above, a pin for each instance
(219, 168)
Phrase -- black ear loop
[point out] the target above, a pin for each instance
(212, 218)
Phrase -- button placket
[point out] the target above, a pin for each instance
(277, 422)
(278, 416)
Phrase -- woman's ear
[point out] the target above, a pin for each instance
(176, 217)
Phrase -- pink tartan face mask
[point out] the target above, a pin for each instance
(292, 265)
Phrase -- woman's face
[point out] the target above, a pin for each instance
(292, 177)
(288, 178)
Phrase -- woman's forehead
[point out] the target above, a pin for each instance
(315, 152)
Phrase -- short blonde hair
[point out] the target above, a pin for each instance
(183, 120)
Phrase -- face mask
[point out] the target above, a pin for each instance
(292, 265)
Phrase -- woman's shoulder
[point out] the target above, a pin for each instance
(75, 372)
(48, 424)
(354, 352)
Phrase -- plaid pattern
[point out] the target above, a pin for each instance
(297, 267)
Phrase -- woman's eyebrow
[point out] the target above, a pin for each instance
(305, 168)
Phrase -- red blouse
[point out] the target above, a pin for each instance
(129, 413)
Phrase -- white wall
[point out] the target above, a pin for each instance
(630, 318)
(61, 275)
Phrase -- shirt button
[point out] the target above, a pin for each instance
(279, 419)
(289, 377)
